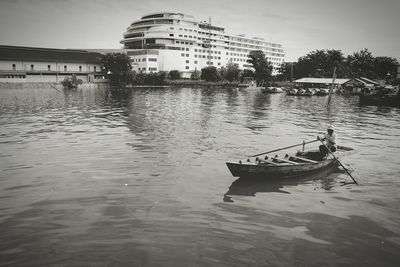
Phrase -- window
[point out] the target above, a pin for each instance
(32, 67)
(183, 54)
(187, 49)
(195, 50)
(187, 61)
(80, 68)
(65, 68)
(180, 35)
(152, 59)
(195, 62)
(171, 34)
(13, 67)
(94, 68)
(187, 67)
(152, 69)
(48, 67)
(187, 55)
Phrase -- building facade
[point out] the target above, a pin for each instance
(31, 64)
(174, 41)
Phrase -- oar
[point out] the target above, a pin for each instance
(339, 162)
(284, 148)
(55, 88)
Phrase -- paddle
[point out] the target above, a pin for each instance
(283, 148)
(55, 88)
(338, 161)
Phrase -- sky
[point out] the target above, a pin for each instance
(301, 26)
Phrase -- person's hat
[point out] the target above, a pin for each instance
(330, 127)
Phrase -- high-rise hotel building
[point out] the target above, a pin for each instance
(174, 41)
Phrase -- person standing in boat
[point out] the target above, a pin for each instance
(330, 142)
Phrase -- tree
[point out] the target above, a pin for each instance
(320, 63)
(285, 71)
(246, 73)
(231, 72)
(262, 68)
(210, 74)
(174, 75)
(117, 68)
(195, 75)
(361, 64)
(71, 82)
(385, 67)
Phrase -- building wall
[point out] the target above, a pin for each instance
(42, 71)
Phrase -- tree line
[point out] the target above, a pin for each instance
(118, 70)
(320, 64)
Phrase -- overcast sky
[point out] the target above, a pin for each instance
(300, 25)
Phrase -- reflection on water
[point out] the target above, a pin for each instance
(138, 178)
(326, 179)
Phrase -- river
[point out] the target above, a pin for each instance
(95, 177)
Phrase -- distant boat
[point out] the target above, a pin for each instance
(272, 90)
(301, 92)
(309, 92)
(291, 165)
(322, 92)
(252, 86)
(292, 91)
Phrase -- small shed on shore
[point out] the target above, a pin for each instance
(355, 85)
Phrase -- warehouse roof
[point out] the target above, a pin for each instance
(321, 80)
(48, 54)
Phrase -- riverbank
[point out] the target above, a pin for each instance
(31, 85)
(167, 84)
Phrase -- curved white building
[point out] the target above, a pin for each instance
(167, 41)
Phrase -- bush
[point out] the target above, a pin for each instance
(71, 82)
(195, 75)
(174, 75)
(156, 78)
(210, 74)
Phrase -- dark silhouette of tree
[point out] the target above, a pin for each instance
(262, 68)
(117, 68)
(210, 74)
(230, 72)
(246, 73)
(361, 64)
(385, 67)
(174, 75)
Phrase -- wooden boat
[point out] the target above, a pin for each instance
(322, 92)
(292, 91)
(272, 90)
(290, 165)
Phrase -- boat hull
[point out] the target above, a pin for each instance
(249, 170)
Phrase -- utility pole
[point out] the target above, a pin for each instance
(209, 41)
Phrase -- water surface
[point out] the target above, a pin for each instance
(138, 178)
